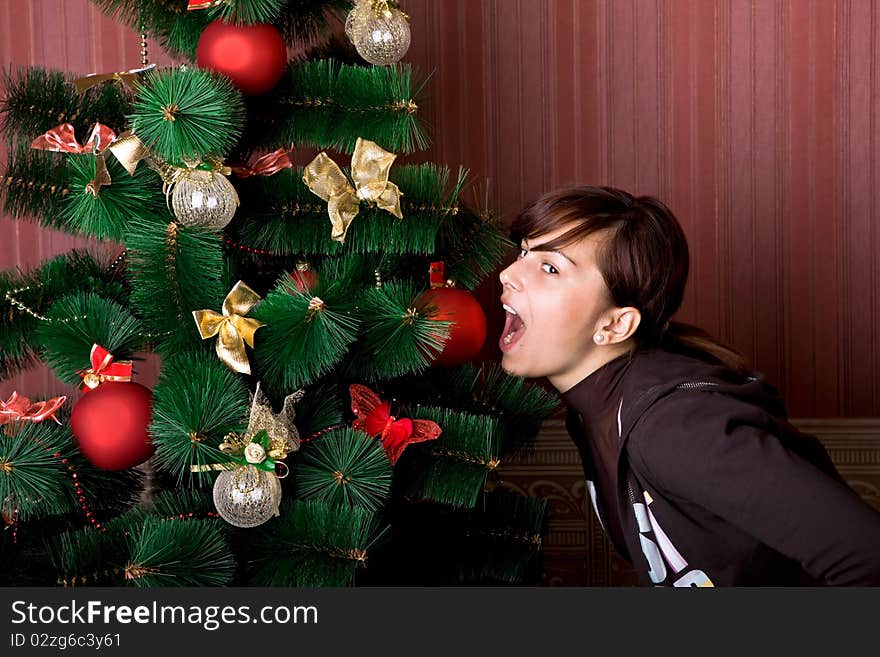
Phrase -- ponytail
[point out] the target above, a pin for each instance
(693, 341)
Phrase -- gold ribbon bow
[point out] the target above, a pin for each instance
(129, 79)
(370, 164)
(232, 327)
(128, 149)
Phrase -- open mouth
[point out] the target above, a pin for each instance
(514, 328)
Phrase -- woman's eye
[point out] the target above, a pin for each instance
(522, 253)
(550, 269)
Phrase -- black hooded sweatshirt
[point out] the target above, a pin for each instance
(700, 479)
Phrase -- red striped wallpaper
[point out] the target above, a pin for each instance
(753, 120)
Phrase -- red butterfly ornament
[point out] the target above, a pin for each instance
(374, 419)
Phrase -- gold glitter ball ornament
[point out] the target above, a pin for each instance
(382, 37)
(247, 496)
(204, 198)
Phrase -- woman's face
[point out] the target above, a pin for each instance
(555, 301)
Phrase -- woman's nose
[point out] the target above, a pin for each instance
(508, 277)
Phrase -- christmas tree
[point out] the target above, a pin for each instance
(318, 419)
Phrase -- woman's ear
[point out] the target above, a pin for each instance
(623, 325)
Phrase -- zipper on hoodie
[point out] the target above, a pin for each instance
(695, 384)
(688, 385)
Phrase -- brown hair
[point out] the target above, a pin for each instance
(644, 261)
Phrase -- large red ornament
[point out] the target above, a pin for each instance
(252, 56)
(468, 331)
(110, 425)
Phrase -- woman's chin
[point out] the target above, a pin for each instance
(510, 364)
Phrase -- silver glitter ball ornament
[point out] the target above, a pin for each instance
(247, 496)
(383, 38)
(356, 19)
(204, 198)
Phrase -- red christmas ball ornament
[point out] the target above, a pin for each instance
(252, 56)
(110, 425)
(468, 331)
(304, 279)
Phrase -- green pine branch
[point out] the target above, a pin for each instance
(37, 467)
(189, 552)
(76, 322)
(344, 467)
(476, 252)
(306, 21)
(399, 333)
(305, 334)
(471, 244)
(38, 289)
(312, 544)
(196, 402)
(320, 408)
(453, 469)
(178, 30)
(38, 100)
(501, 542)
(56, 189)
(87, 557)
(183, 502)
(166, 21)
(34, 185)
(328, 105)
(248, 12)
(173, 270)
(32, 480)
(521, 406)
(187, 114)
(106, 215)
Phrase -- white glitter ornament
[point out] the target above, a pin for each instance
(247, 496)
(204, 198)
(356, 18)
(380, 33)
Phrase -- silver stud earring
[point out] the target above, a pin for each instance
(598, 338)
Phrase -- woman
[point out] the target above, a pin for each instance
(692, 467)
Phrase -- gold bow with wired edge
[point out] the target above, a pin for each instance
(232, 327)
(129, 79)
(370, 164)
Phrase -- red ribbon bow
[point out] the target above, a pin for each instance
(18, 408)
(437, 274)
(203, 4)
(104, 369)
(62, 139)
(266, 165)
(374, 418)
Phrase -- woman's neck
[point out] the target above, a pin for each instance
(596, 358)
